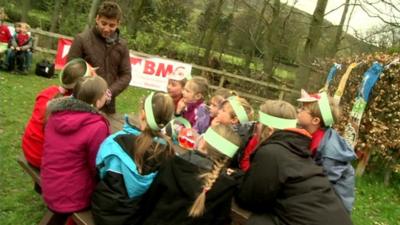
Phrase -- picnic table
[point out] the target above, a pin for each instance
(239, 216)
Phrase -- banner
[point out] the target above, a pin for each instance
(152, 72)
(147, 72)
(62, 51)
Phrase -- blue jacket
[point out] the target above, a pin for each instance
(118, 192)
(335, 155)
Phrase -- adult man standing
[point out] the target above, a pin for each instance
(102, 47)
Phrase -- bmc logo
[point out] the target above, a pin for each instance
(151, 67)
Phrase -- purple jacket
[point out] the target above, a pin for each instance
(198, 115)
(73, 134)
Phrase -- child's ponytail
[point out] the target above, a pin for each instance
(149, 142)
(209, 178)
(221, 143)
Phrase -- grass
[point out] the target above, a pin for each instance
(19, 204)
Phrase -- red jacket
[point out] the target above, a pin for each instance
(73, 134)
(33, 138)
(5, 35)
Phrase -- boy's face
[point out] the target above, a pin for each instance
(106, 26)
(305, 119)
(174, 88)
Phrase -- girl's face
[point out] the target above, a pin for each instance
(214, 106)
(102, 101)
(189, 95)
(174, 88)
(225, 115)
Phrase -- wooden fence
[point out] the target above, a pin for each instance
(223, 75)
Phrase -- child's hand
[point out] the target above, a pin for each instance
(181, 105)
(108, 95)
(18, 49)
(215, 121)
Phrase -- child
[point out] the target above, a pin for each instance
(238, 113)
(33, 138)
(20, 51)
(219, 96)
(128, 161)
(5, 34)
(73, 134)
(176, 82)
(192, 106)
(283, 184)
(195, 187)
(328, 148)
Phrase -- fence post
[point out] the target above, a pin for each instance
(36, 42)
(221, 81)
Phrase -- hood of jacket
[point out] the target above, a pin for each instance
(295, 140)
(70, 114)
(335, 147)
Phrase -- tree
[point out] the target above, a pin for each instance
(57, 12)
(210, 33)
(92, 13)
(26, 6)
(339, 31)
(311, 45)
(271, 44)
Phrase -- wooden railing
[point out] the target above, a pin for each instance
(224, 75)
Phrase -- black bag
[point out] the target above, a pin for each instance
(45, 69)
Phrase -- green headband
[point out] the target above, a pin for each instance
(325, 109)
(220, 143)
(276, 122)
(238, 109)
(148, 109)
(180, 120)
(87, 70)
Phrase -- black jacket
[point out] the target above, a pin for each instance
(176, 187)
(283, 181)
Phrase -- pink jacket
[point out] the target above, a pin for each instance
(73, 134)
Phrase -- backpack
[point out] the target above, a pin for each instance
(45, 69)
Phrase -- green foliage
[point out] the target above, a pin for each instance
(75, 17)
(36, 18)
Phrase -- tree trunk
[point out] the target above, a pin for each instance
(55, 18)
(254, 41)
(26, 6)
(92, 12)
(339, 31)
(210, 33)
(311, 45)
(387, 176)
(271, 41)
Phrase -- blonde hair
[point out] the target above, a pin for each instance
(200, 85)
(221, 94)
(90, 89)
(163, 110)
(313, 108)
(246, 105)
(220, 161)
(277, 108)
